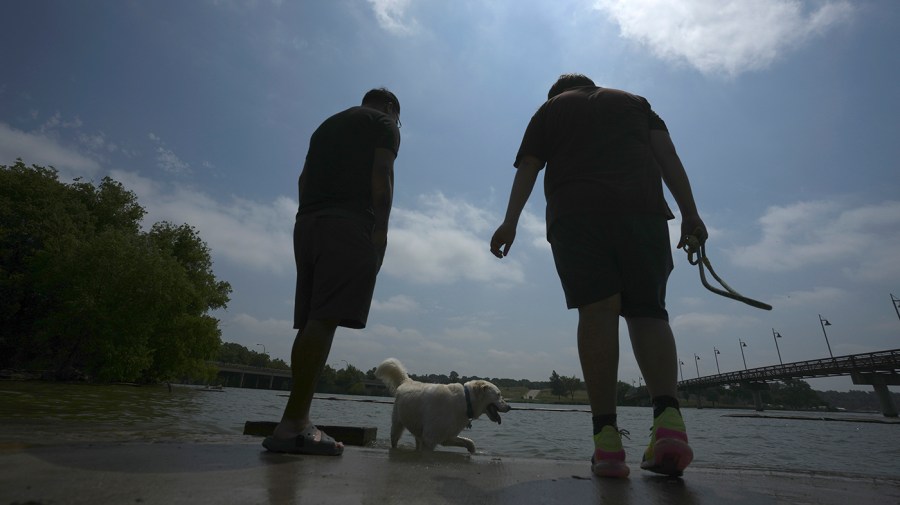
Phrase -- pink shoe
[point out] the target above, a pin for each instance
(609, 456)
(668, 452)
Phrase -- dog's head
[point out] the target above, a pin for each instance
(486, 399)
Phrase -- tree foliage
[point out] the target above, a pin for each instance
(557, 385)
(85, 293)
(571, 385)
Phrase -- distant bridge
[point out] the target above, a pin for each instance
(254, 377)
(877, 369)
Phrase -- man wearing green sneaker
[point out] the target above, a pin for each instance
(607, 155)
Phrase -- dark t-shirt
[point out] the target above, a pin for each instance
(338, 170)
(596, 143)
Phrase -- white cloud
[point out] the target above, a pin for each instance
(467, 334)
(397, 303)
(724, 36)
(170, 162)
(166, 159)
(536, 227)
(42, 149)
(443, 241)
(811, 298)
(263, 329)
(272, 336)
(391, 16)
(251, 234)
(708, 324)
(440, 242)
(56, 122)
(865, 240)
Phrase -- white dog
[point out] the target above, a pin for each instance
(437, 413)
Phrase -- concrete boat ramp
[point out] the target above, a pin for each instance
(240, 471)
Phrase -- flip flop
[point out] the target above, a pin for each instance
(305, 443)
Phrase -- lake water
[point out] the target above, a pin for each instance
(48, 413)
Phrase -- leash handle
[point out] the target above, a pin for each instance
(696, 252)
(692, 247)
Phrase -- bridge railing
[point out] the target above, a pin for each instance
(234, 367)
(874, 362)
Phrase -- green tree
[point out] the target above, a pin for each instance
(571, 385)
(229, 352)
(348, 376)
(85, 293)
(557, 386)
(622, 390)
(326, 382)
(795, 393)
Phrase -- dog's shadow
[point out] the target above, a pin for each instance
(409, 455)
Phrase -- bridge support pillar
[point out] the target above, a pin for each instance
(756, 389)
(880, 382)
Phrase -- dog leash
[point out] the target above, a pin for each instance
(692, 247)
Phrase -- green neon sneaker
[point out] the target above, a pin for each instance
(609, 455)
(668, 452)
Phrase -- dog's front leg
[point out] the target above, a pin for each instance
(460, 442)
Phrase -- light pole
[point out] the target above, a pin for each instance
(640, 380)
(824, 322)
(716, 355)
(776, 336)
(681, 366)
(264, 349)
(743, 344)
(697, 364)
(896, 302)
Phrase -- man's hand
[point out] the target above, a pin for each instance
(692, 225)
(503, 239)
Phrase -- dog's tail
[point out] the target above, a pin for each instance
(392, 373)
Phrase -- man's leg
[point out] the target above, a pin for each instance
(598, 350)
(308, 357)
(654, 350)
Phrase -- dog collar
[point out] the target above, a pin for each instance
(468, 403)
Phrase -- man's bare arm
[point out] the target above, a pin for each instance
(382, 195)
(523, 184)
(676, 179)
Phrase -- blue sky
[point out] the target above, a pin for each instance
(783, 112)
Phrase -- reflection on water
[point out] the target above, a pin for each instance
(45, 413)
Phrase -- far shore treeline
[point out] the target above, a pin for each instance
(88, 293)
(786, 395)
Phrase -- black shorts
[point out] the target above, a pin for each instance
(599, 256)
(336, 268)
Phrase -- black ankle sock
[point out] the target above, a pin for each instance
(603, 420)
(661, 403)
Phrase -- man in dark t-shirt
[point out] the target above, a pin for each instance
(340, 237)
(607, 154)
